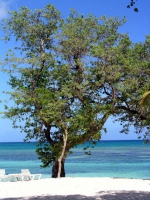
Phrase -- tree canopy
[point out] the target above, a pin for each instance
(69, 76)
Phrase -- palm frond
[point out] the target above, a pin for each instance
(145, 101)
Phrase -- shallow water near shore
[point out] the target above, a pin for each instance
(119, 159)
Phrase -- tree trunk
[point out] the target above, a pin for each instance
(56, 168)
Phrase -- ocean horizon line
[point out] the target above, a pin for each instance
(83, 143)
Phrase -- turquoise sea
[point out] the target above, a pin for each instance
(124, 159)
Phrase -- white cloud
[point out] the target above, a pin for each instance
(4, 7)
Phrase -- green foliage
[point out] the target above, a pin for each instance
(48, 153)
(72, 75)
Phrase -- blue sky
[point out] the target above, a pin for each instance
(137, 26)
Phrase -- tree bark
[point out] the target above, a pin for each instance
(55, 169)
(58, 169)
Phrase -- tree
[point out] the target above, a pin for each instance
(69, 77)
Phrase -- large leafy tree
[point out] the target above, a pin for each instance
(69, 76)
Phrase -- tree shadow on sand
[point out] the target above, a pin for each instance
(102, 195)
(123, 195)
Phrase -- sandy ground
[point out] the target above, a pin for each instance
(76, 189)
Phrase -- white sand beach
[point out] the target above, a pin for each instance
(76, 188)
